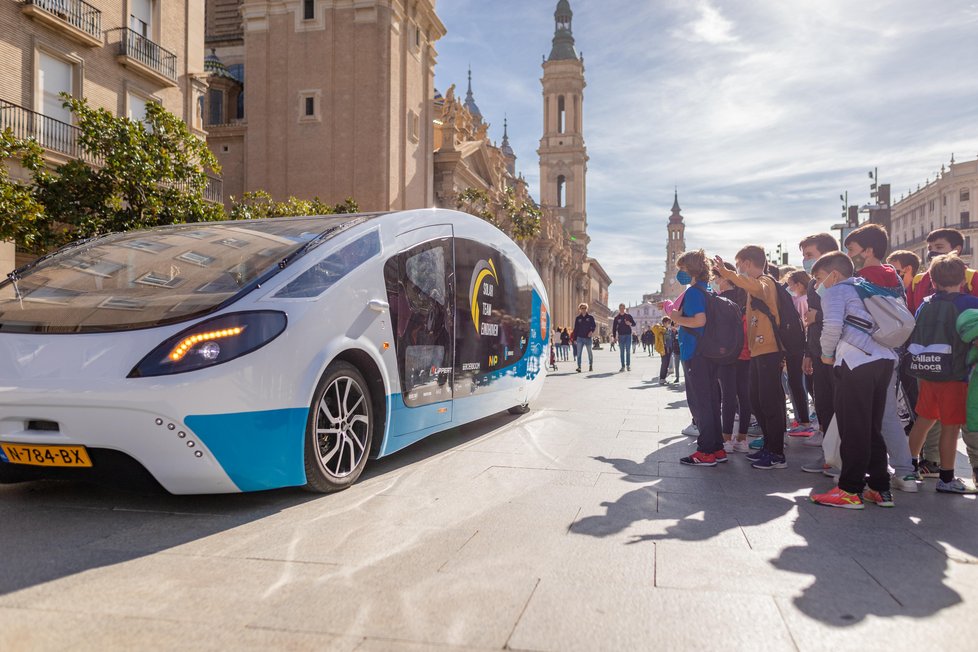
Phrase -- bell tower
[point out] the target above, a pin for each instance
(674, 249)
(563, 155)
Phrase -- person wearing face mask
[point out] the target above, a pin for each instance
(865, 247)
(906, 264)
(702, 386)
(939, 242)
(766, 392)
(864, 371)
(812, 248)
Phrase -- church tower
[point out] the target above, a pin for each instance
(674, 249)
(563, 156)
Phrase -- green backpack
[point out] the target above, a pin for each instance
(937, 352)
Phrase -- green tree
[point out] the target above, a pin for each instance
(523, 215)
(476, 201)
(22, 217)
(259, 204)
(132, 175)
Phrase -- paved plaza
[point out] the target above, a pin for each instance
(572, 527)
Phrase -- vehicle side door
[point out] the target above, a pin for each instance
(420, 290)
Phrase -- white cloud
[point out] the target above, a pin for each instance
(710, 26)
(761, 111)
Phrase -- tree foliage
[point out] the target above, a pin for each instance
(520, 218)
(259, 204)
(21, 215)
(132, 175)
(523, 215)
(476, 201)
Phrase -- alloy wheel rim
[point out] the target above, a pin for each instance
(342, 425)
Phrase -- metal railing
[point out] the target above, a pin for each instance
(49, 133)
(152, 55)
(77, 13)
(214, 190)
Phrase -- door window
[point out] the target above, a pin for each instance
(421, 302)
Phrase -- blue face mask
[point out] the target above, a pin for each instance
(820, 290)
(684, 278)
(808, 265)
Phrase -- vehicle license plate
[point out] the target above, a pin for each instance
(38, 455)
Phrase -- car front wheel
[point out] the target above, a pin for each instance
(339, 429)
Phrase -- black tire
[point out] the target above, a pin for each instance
(339, 430)
(519, 409)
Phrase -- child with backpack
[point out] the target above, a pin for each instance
(866, 247)
(702, 389)
(938, 359)
(766, 393)
(863, 373)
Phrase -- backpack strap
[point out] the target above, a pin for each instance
(761, 307)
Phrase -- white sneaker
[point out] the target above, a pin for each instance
(728, 446)
(691, 430)
(815, 441)
(741, 446)
(907, 483)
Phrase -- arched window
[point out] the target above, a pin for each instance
(561, 115)
(561, 182)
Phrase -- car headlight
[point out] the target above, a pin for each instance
(212, 342)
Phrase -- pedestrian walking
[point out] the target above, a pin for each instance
(584, 327)
(621, 331)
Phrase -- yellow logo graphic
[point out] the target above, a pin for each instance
(493, 360)
(480, 285)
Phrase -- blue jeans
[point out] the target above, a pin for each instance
(584, 343)
(625, 344)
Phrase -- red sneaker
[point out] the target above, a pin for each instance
(699, 459)
(838, 498)
(721, 456)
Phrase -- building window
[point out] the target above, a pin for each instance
(308, 9)
(141, 17)
(561, 182)
(310, 103)
(931, 205)
(136, 110)
(965, 219)
(215, 113)
(417, 37)
(414, 126)
(965, 195)
(561, 115)
(54, 76)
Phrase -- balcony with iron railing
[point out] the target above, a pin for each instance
(75, 19)
(51, 134)
(146, 57)
(214, 190)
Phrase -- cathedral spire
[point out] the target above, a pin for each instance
(506, 149)
(563, 43)
(470, 104)
(676, 217)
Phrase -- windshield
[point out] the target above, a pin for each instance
(153, 277)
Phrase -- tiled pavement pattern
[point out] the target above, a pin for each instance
(572, 527)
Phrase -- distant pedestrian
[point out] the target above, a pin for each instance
(584, 327)
(621, 330)
(663, 346)
(565, 344)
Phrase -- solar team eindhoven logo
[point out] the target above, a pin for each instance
(482, 291)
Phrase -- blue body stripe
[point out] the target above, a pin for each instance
(258, 450)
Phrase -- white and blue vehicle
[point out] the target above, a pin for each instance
(249, 355)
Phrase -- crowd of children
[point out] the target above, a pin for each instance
(879, 344)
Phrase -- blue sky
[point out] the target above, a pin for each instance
(761, 111)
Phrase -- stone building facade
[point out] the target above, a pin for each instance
(949, 200)
(119, 54)
(341, 105)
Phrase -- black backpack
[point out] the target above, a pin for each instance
(723, 336)
(937, 352)
(790, 334)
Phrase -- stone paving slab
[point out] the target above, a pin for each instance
(573, 527)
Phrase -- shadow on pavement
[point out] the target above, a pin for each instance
(875, 562)
(53, 529)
